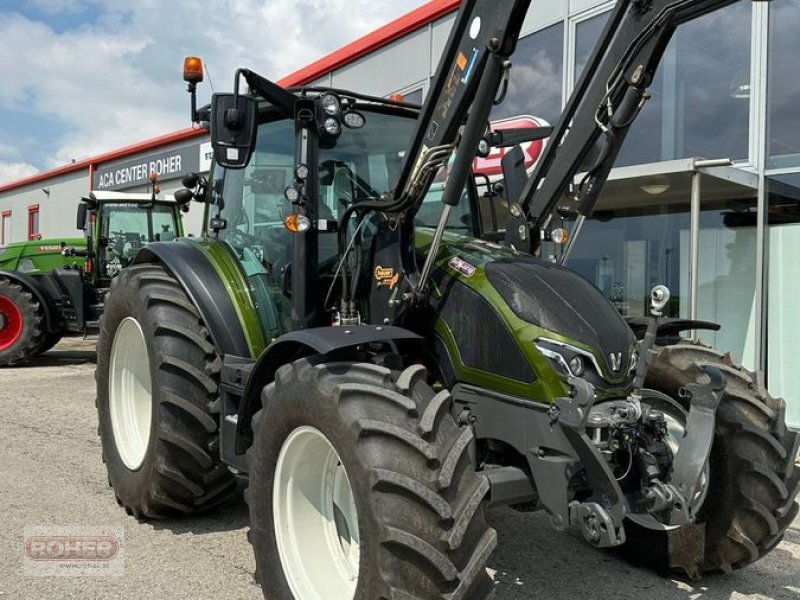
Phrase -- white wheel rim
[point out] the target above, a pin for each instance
(130, 393)
(316, 523)
(675, 417)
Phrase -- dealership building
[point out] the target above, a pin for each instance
(705, 196)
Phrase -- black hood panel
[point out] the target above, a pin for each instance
(564, 302)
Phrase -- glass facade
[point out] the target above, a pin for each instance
(783, 141)
(783, 288)
(782, 203)
(723, 91)
(537, 77)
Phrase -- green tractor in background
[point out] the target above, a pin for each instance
(56, 286)
(353, 340)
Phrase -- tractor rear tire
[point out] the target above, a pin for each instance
(21, 324)
(416, 502)
(753, 481)
(157, 398)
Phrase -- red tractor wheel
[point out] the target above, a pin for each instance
(10, 323)
(21, 321)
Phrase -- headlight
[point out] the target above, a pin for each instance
(566, 359)
(354, 120)
(332, 126)
(292, 194)
(301, 172)
(576, 365)
(330, 103)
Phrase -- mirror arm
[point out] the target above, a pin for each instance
(192, 89)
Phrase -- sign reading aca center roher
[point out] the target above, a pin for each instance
(167, 164)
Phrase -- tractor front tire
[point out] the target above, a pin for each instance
(362, 485)
(753, 481)
(21, 324)
(157, 398)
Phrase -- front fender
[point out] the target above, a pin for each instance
(299, 344)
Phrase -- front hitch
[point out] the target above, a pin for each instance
(600, 519)
(693, 451)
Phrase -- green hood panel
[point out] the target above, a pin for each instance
(464, 260)
(40, 256)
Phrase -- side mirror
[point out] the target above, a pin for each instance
(183, 197)
(233, 129)
(80, 222)
(190, 180)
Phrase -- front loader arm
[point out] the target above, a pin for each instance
(470, 70)
(606, 101)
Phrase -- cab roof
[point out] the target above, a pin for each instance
(104, 196)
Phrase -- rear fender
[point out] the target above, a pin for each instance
(205, 289)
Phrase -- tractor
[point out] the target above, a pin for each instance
(54, 287)
(379, 365)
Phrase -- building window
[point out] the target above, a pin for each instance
(783, 89)
(635, 240)
(783, 289)
(33, 221)
(413, 97)
(5, 227)
(587, 32)
(700, 104)
(536, 77)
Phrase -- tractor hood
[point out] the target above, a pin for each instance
(565, 306)
(39, 256)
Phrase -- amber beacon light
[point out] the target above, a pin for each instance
(192, 69)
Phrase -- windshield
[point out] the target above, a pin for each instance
(129, 227)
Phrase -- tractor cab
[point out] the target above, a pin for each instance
(279, 199)
(117, 225)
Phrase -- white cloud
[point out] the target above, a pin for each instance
(9, 171)
(116, 80)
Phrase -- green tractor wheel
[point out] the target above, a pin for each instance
(21, 319)
(363, 486)
(747, 502)
(157, 402)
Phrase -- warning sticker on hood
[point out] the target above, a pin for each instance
(461, 266)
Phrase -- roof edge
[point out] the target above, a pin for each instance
(423, 15)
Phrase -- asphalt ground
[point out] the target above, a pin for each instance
(51, 474)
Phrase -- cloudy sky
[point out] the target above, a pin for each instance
(80, 77)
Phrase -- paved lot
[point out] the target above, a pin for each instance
(51, 474)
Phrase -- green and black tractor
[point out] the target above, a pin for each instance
(379, 365)
(56, 286)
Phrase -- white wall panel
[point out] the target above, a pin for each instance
(56, 210)
(391, 68)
